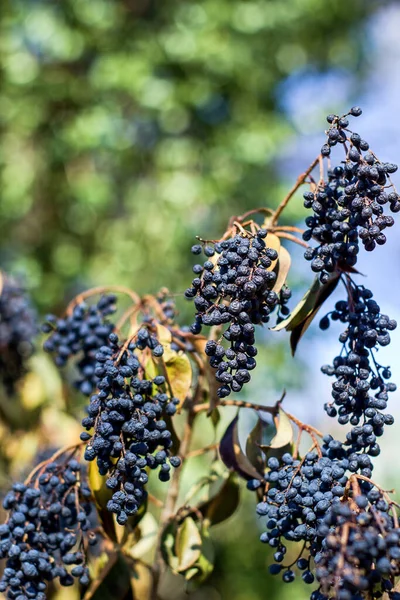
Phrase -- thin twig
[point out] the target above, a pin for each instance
(272, 410)
(171, 500)
(101, 290)
(300, 180)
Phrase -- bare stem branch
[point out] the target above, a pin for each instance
(300, 180)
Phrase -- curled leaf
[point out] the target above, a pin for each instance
(212, 384)
(101, 496)
(253, 446)
(283, 268)
(224, 504)
(284, 434)
(233, 456)
(204, 565)
(303, 314)
(274, 242)
(141, 581)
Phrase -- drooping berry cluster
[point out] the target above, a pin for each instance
(18, 328)
(299, 494)
(348, 207)
(47, 531)
(80, 335)
(360, 390)
(234, 287)
(128, 414)
(361, 551)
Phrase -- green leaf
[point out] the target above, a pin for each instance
(303, 314)
(167, 546)
(127, 532)
(204, 566)
(145, 537)
(223, 504)
(215, 417)
(187, 544)
(232, 454)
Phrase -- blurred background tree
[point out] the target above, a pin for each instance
(130, 126)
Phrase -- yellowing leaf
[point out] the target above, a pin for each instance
(200, 345)
(141, 581)
(204, 566)
(179, 371)
(101, 496)
(148, 535)
(283, 267)
(274, 242)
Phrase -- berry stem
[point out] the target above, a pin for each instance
(52, 458)
(292, 238)
(101, 290)
(300, 180)
(201, 451)
(272, 410)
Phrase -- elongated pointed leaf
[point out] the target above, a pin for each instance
(253, 447)
(283, 436)
(187, 544)
(101, 496)
(224, 504)
(232, 454)
(141, 581)
(302, 309)
(167, 546)
(274, 242)
(113, 581)
(146, 534)
(301, 317)
(283, 268)
(204, 566)
(179, 371)
(212, 383)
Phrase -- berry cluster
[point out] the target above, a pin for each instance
(128, 414)
(81, 334)
(234, 287)
(299, 494)
(47, 531)
(361, 550)
(356, 370)
(348, 207)
(17, 331)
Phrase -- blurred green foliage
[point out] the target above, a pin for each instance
(129, 126)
